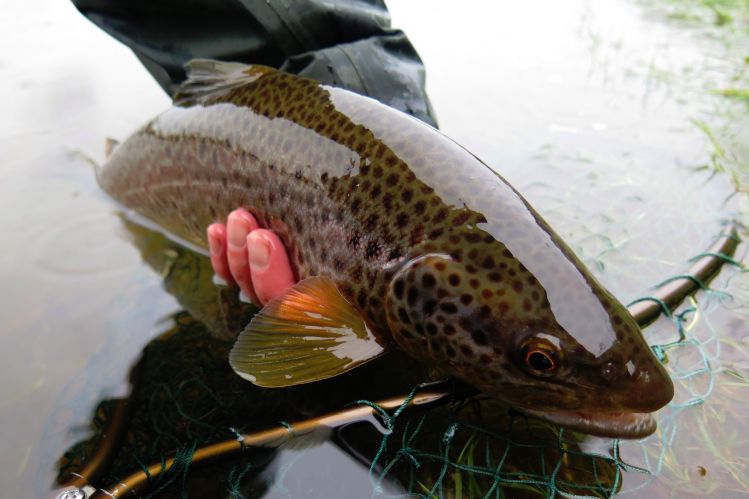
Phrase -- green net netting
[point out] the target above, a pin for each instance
(481, 460)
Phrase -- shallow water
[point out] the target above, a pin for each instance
(590, 109)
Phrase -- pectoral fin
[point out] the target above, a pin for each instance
(307, 334)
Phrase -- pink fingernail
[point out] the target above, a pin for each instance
(258, 251)
(237, 233)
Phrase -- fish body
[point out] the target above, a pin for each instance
(414, 241)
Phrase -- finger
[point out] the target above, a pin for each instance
(238, 225)
(269, 265)
(217, 246)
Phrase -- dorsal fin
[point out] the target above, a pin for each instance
(207, 77)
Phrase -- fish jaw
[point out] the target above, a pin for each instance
(627, 425)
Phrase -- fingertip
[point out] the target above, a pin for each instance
(216, 229)
(270, 268)
(241, 213)
(216, 235)
(260, 244)
(240, 222)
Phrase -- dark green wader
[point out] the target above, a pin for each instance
(344, 43)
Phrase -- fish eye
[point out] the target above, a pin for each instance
(540, 361)
(540, 357)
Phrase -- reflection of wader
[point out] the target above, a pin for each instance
(346, 43)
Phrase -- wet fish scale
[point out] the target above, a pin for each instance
(397, 216)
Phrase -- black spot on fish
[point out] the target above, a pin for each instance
(428, 281)
(371, 222)
(401, 220)
(440, 216)
(403, 316)
(448, 308)
(398, 289)
(373, 250)
(429, 307)
(387, 201)
(413, 296)
(461, 218)
(435, 234)
(361, 298)
(394, 254)
(472, 237)
(479, 337)
(354, 239)
(355, 206)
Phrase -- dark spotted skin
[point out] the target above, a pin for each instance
(405, 222)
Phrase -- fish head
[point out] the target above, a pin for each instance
(577, 359)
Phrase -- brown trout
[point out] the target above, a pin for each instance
(401, 239)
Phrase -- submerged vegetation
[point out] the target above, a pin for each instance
(729, 13)
(725, 117)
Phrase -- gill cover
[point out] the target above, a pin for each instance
(436, 315)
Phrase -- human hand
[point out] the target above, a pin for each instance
(251, 257)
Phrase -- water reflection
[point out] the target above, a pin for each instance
(185, 392)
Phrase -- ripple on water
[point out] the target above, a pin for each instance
(83, 247)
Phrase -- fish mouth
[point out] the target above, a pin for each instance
(630, 425)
